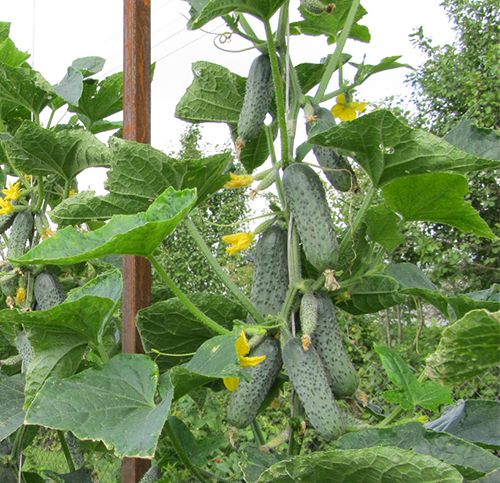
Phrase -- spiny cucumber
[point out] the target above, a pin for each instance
(49, 291)
(20, 233)
(153, 475)
(25, 350)
(74, 449)
(258, 97)
(309, 379)
(306, 200)
(6, 221)
(270, 276)
(247, 399)
(308, 317)
(327, 340)
(337, 168)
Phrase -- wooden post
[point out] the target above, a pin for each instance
(136, 127)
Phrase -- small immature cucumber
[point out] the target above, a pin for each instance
(306, 200)
(153, 475)
(74, 449)
(270, 275)
(313, 6)
(327, 340)
(309, 379)
(337, 168)
(49, 291)
(258, 97)
(6, 221)
(8, 281)
(25, 350)
(308, 317)
(21, 231)
(249, 396)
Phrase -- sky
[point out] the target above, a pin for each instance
(56, 32)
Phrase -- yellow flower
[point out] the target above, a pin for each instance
(239, 181)
(346, 111)
(243, 348)
(71, 193)
(13, 192)
(6, 206)
(20, 296)
(238, 241)
(47, 233)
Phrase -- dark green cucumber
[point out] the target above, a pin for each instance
(308, 317)
(247, 399)
(20, 233)
(153, 475)
(309, 379)
(6, 221)
(25, 350)
(337, 167)
(258, 97)
(306, 200)
(327, 340)
(270, 272)
(49, 291)
(313, 6)
(9, 280)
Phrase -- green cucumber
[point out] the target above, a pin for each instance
(49, 291)
(247, 399)
(25, 350)
(20, 233)
(6, 221)
(327, 340)
(309, 379)
(308, 317)
(74, 449)
(306, 200)
(259, 94)
(153, 475)
(337, 167)
(9, 280)
(313, 6)
(270, 272)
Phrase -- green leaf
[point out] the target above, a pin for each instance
(82, 475)
(39, 151)
(468, 348)
(215, 95)
(203, 11)
(409, 276)
(124, 234)
(71, 86)
(89, 65)
(309, 75)
(185, 381)
(107, 285)
(387, 148)
(330, 24)
(9, 53)
(369, 465)
(169, 328)
(481, 142)
(370, 295)
(384, 227)
(471, 460)
(438, 198)
(387, 63)
(59, 337)
(114, 402)
(11, 404)
(411, 391)
(492, 477)
(474, 420)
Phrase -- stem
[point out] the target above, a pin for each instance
(39, 201)
(333, 62)
(257, 433)
(182, 454)
(66, 452)
(234, 27)
(187, 303)
(224, 277)
(280, 101)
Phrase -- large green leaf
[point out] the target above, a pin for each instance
(481, 142)
(468, 348)
(409, 276)
(471, 460)
(369, 465)
(71, 86)
(438, 198)
(216, 95)
(108, 285)
(11, 404)
(9, 53)
(411, 391)
(185, 381)
(387, 148)
(39, 151)
(167, 327)
(124, 234)
(59, 337)
(309, 75)
(203, 11)
(384, 227)
(114, 402)
(475, 420)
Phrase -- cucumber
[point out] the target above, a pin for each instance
(338, 170)
(20, 233)
(8, 281)
(247, 399)
(49, 291)
(327, 340)
(306, 200)
(74, 449)
(153, 475)
(308, 317)
(270, 275)
(309, 379)
(25, 350)
(313, 6)
(259, 94)
(6, 221)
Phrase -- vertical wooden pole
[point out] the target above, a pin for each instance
(136, 127)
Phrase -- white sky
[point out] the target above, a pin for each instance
(56, 32)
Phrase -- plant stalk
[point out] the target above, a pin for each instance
(67, 454)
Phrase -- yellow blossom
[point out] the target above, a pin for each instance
(71, 193)
(238, 241)
(20, 296)
(346, 111)
(243, 348)
(13, 192)
(239, 181)
(6, 206)
(47, 232)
